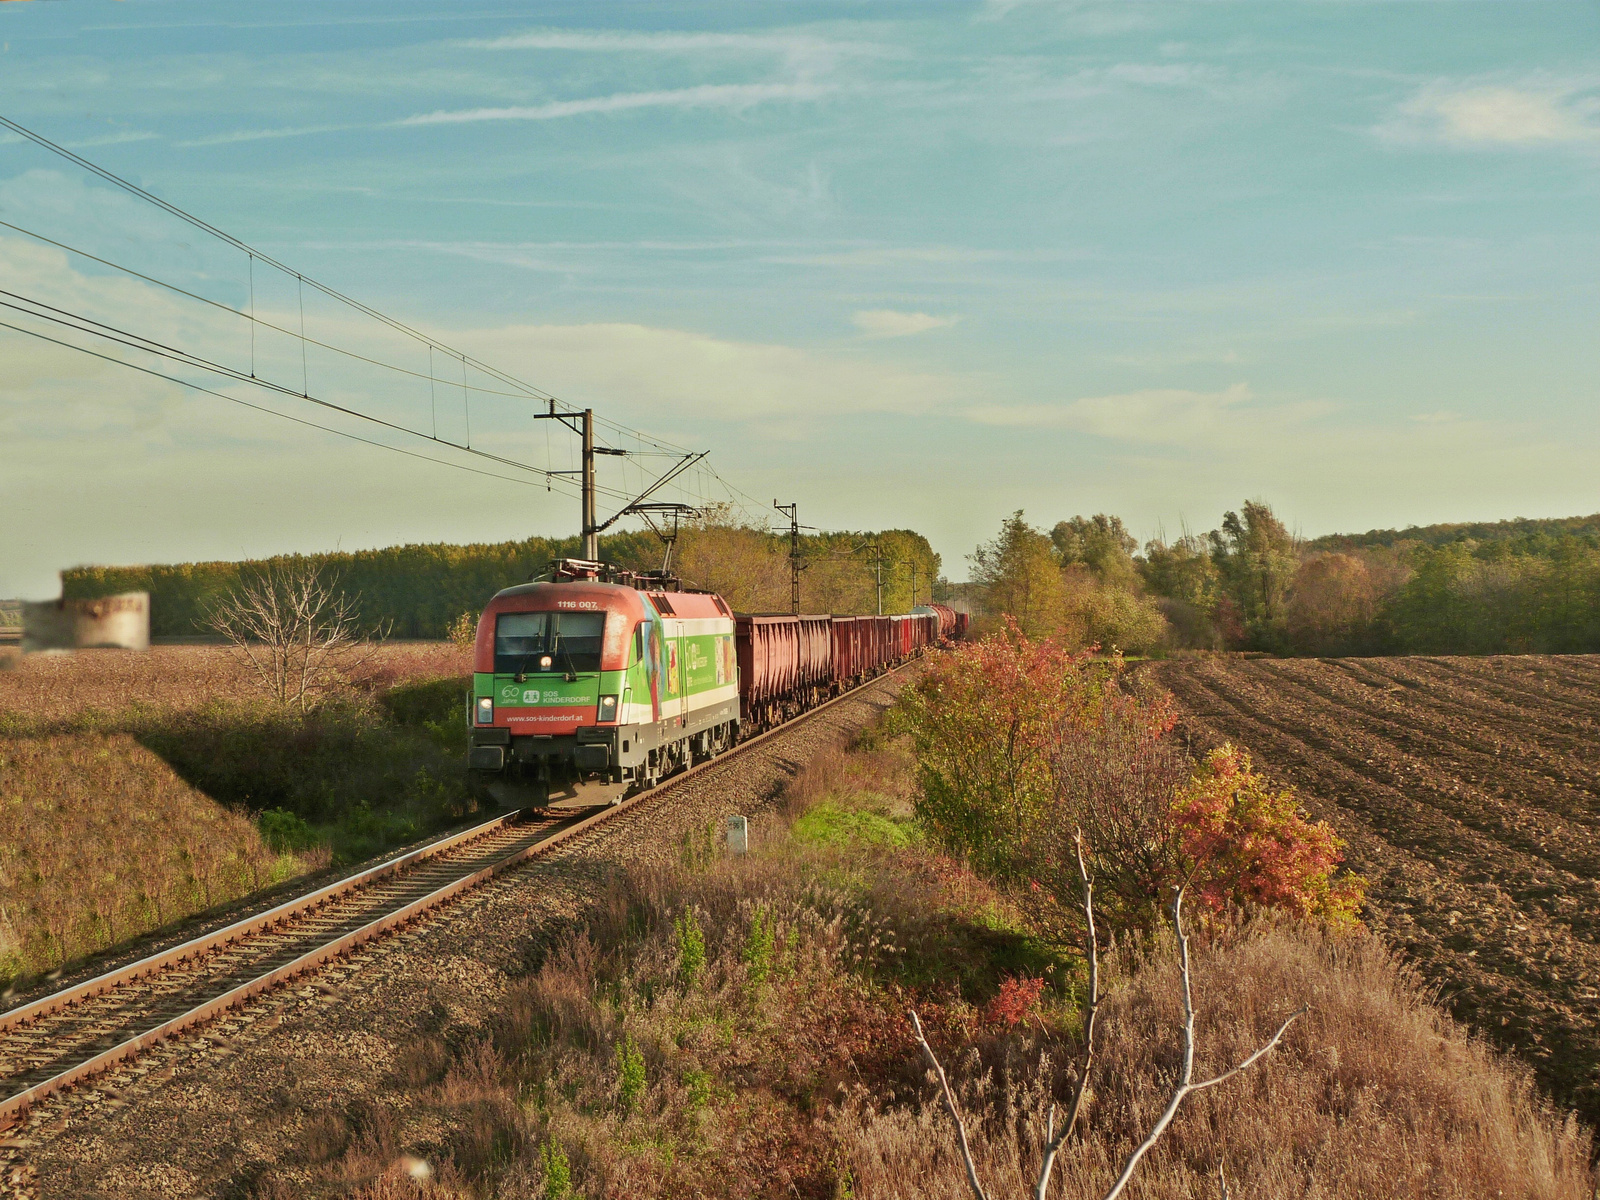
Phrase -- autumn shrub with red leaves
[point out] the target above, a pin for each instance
(1248, 843)
(1021, 744)
(1017, 998)
(984, 722)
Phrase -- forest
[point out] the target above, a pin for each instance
(1251, 584)
(421, 591)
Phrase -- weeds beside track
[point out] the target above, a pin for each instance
(64, 1038)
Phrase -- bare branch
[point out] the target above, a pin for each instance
(1186, 1083)
(296, 630)
(1272, 1045)
(1222, 1182)
(1054, 1141)
(950, 1106)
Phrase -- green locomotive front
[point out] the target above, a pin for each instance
(584, 691)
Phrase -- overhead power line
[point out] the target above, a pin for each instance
(134, 341)
(524, 389)
(121, 362)
(258, 320)
(134, 189)
(737, 498)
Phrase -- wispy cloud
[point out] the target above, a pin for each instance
(887, 323)
(710, 95)
(882, 256)
(1165, 74)
(614, 41)
(1539, 112)
(1165, 416)
(113, 139)
(650, 374)
(256, 135)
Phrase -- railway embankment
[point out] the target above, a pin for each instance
(253, 1096)
(141, 791)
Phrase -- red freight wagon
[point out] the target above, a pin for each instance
(945, 621)
(866, 647)
(846, 651)
(882, 650)
(816, 652)
(785, 663)
(769, 665)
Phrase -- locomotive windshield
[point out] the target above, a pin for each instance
(571, 642)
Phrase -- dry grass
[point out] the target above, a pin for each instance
(100, 841)
(64, 687)
(1375, 1093)
(779, 1061)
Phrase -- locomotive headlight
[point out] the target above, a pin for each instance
(608, 708)
(485, 710)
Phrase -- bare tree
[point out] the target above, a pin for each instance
(1184, 1087)
(297, 631)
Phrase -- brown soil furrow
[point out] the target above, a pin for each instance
(1577, 674)
(1441, 893)
(1573, 709)
(1561, 813)
(1461, 818)
(1552, 732)
(1573, 676)
(1515, 730)
(1390, 817)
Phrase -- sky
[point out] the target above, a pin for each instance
(911, 265)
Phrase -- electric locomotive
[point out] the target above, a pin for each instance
(585, 690)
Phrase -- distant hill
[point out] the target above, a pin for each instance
(1518, 529)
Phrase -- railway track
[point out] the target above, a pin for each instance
(63, 1039)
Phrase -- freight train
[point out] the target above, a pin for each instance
(601, 682)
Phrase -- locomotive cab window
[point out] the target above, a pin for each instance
(571, 642)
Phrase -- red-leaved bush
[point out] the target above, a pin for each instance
(1020, 744)
(985, 723)
(1015, 1000)
(1245, 842)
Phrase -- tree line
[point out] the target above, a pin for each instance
(1252, 584)
(419, 591)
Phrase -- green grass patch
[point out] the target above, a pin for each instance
(831, 823)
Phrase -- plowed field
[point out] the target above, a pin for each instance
(1468, 791)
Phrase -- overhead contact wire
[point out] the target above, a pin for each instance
(121, 362)
(525, 390)
(664, 449)
(183, 215)
(146, 345)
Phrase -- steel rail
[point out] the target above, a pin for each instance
(14, 1107)
(218, 938)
